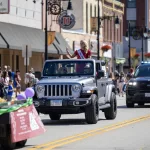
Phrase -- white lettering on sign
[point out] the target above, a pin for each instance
(4, 6)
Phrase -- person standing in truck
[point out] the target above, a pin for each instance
(82, 53)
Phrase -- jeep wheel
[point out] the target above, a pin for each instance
(92, 111)
(111, 112)
(55, 116)
(129, 104)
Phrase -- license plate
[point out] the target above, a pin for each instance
(147, 94)
(56, 102)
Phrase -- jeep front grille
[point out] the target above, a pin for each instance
(58, 90)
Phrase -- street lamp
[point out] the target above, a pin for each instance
(57, 10)
(100, 19)
(143, 34)
(129, 46)
(69, 11)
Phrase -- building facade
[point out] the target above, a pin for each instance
(25, 13)
(137, 13)
(111, 34)
(84, 10)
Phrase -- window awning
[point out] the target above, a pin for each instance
(17, 36)
(120, 60)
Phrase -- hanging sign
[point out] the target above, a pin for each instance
(66, 21)
(94, 24)
(51, 37)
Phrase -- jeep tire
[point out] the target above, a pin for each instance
(129, 104)
(111, 112)
(55, 116)
(92, 111)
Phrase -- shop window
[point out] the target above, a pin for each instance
(91, 10)
(0, 60)
(131, 3)
(95, 11)
(17, 62)
(12, 62)
(86, 17)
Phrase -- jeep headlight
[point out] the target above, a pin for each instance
(132, 83)
(40, 88)
(76, 88)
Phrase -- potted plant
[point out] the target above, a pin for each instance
(147, 56)
(105, 48)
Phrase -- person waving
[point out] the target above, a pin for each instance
(82, 53)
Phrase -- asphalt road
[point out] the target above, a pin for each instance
(129, 131)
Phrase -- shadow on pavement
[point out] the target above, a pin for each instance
(136, 106)
(26, 146)
(64, 122)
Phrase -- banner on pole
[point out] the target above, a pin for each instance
(51, 37)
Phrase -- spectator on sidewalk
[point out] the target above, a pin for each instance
(10, 91)
(5, 81)
(17, 82)
(5, 69)
(9, 72)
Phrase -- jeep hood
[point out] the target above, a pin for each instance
(67, 80)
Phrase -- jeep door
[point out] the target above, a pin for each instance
(101, 86)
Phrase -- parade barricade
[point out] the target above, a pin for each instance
(19, 121)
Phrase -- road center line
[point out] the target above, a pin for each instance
(78, 137)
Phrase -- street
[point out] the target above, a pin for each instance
(129, 131)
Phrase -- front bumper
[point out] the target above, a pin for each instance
(69, 106)
(138, 96)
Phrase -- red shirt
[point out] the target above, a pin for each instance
(80, 67)
(86, 55)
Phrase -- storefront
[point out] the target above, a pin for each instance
(13, 44)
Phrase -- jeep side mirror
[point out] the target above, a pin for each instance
(37, 74)
(100, 74)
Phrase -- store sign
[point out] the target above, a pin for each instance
(66, 21)
(94, 24)
(25, 124)
(4, 6)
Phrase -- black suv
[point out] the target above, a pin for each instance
(138, 88)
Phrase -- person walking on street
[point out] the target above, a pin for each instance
(121, 84)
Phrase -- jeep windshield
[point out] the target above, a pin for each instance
(142, 71)
(68, 68)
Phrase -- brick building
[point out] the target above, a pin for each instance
(137, 12)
